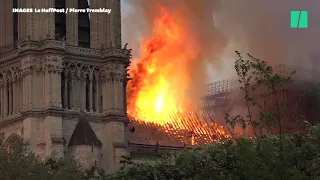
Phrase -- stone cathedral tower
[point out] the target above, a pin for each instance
(63, 80)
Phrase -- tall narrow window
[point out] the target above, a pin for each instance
(60, 20)
(94, 94)
(101, 104)
(15, 24)
(83, 25)
(88, 93)
(69, 92)
(11, 98)
(63, 88)
(8, 98)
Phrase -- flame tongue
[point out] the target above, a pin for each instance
(161, 76)
(152, 94)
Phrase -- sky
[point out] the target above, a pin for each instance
(261, 28)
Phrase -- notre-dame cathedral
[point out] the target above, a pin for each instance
(63, 80)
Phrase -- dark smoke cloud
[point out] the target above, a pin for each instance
(261, 28)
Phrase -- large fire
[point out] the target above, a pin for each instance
(160, 78)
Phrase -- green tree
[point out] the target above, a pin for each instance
(18, 163)
(255, 74)
(239, 159)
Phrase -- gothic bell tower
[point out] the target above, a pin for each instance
(56, 68)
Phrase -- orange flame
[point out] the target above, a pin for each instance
(162, 75)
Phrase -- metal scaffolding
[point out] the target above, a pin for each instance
(218, 93)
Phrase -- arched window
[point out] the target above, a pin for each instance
(83, 25)
(14, 141)
(60, 20)
(15, 23)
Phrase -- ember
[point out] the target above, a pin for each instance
(160, 78)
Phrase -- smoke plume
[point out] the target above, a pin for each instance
(261, 28)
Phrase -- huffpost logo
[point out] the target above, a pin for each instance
(299, 19)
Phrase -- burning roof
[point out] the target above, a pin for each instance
(186, 128)
(157, 99)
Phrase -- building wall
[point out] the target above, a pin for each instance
(31, 76)
(11, 129)
(88, 156)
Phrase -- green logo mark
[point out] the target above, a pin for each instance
(299, 19)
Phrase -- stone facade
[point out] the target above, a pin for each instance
(46, 82)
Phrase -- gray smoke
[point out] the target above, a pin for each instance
(261, 28)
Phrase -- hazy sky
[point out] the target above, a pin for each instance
(259, 27)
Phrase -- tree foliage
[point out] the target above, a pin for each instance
(19, 163)
(242, 159)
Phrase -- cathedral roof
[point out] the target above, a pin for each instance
(152, 134)
(199, 132)
(83, 134)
